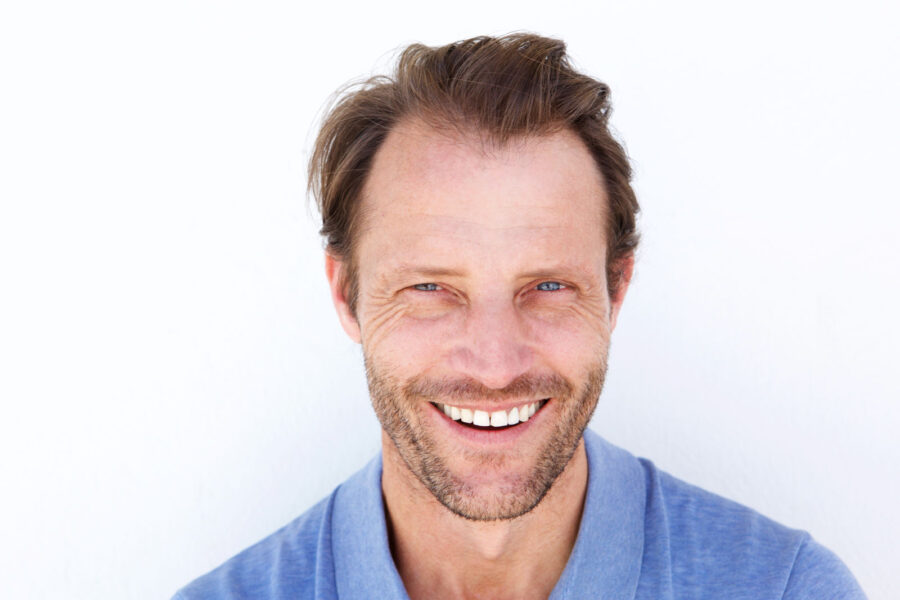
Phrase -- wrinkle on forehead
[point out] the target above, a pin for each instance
(469, 229)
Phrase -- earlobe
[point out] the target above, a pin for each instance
(334, 271)
(624, 270)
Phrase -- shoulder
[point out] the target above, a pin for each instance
(290, 563)
(702, 520)
(714, 547)
(818, 573)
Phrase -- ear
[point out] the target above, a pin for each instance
(334, 271)
(625, 269)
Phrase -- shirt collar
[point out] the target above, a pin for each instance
(605, 562)
(363, 566)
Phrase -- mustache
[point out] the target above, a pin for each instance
(528, 386)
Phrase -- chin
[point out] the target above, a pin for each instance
(477, 500)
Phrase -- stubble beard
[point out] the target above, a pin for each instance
(396, 402)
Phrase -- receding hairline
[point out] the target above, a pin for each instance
(470, 135)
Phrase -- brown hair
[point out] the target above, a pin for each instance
(504, 87)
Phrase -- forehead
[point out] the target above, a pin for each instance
(430, 191)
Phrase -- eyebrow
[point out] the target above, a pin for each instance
(397, 271)
(566, 267)
(429, 271)
(557, 271)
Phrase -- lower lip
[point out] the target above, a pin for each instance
(483, 437)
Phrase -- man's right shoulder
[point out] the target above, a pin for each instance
(294, 562)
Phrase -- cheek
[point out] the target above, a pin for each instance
(409, 344)
(570, 339)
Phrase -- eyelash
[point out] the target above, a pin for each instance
(419, 287)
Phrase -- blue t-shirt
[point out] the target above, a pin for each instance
(644, 535)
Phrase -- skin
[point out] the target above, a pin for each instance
(482, 275)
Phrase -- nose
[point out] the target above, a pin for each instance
(493, 344)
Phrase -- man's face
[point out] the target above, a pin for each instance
(483, 294)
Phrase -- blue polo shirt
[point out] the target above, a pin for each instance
(644, 535)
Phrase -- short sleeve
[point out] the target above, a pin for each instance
(818, 574)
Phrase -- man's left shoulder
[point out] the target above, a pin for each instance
(716, 544)
(818, 573)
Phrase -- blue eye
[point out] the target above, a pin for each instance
(550, 286)
(427, 287)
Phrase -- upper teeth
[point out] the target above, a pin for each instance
(498, 418)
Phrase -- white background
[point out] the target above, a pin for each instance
(174, 383)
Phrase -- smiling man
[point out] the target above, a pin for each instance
(480, 231)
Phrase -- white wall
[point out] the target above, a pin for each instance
(174, 385)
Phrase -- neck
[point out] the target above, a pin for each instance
(441, 555)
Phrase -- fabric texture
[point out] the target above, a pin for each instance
(644, 535)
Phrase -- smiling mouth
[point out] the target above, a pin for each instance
(484, 420)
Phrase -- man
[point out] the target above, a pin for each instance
(480, 231)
